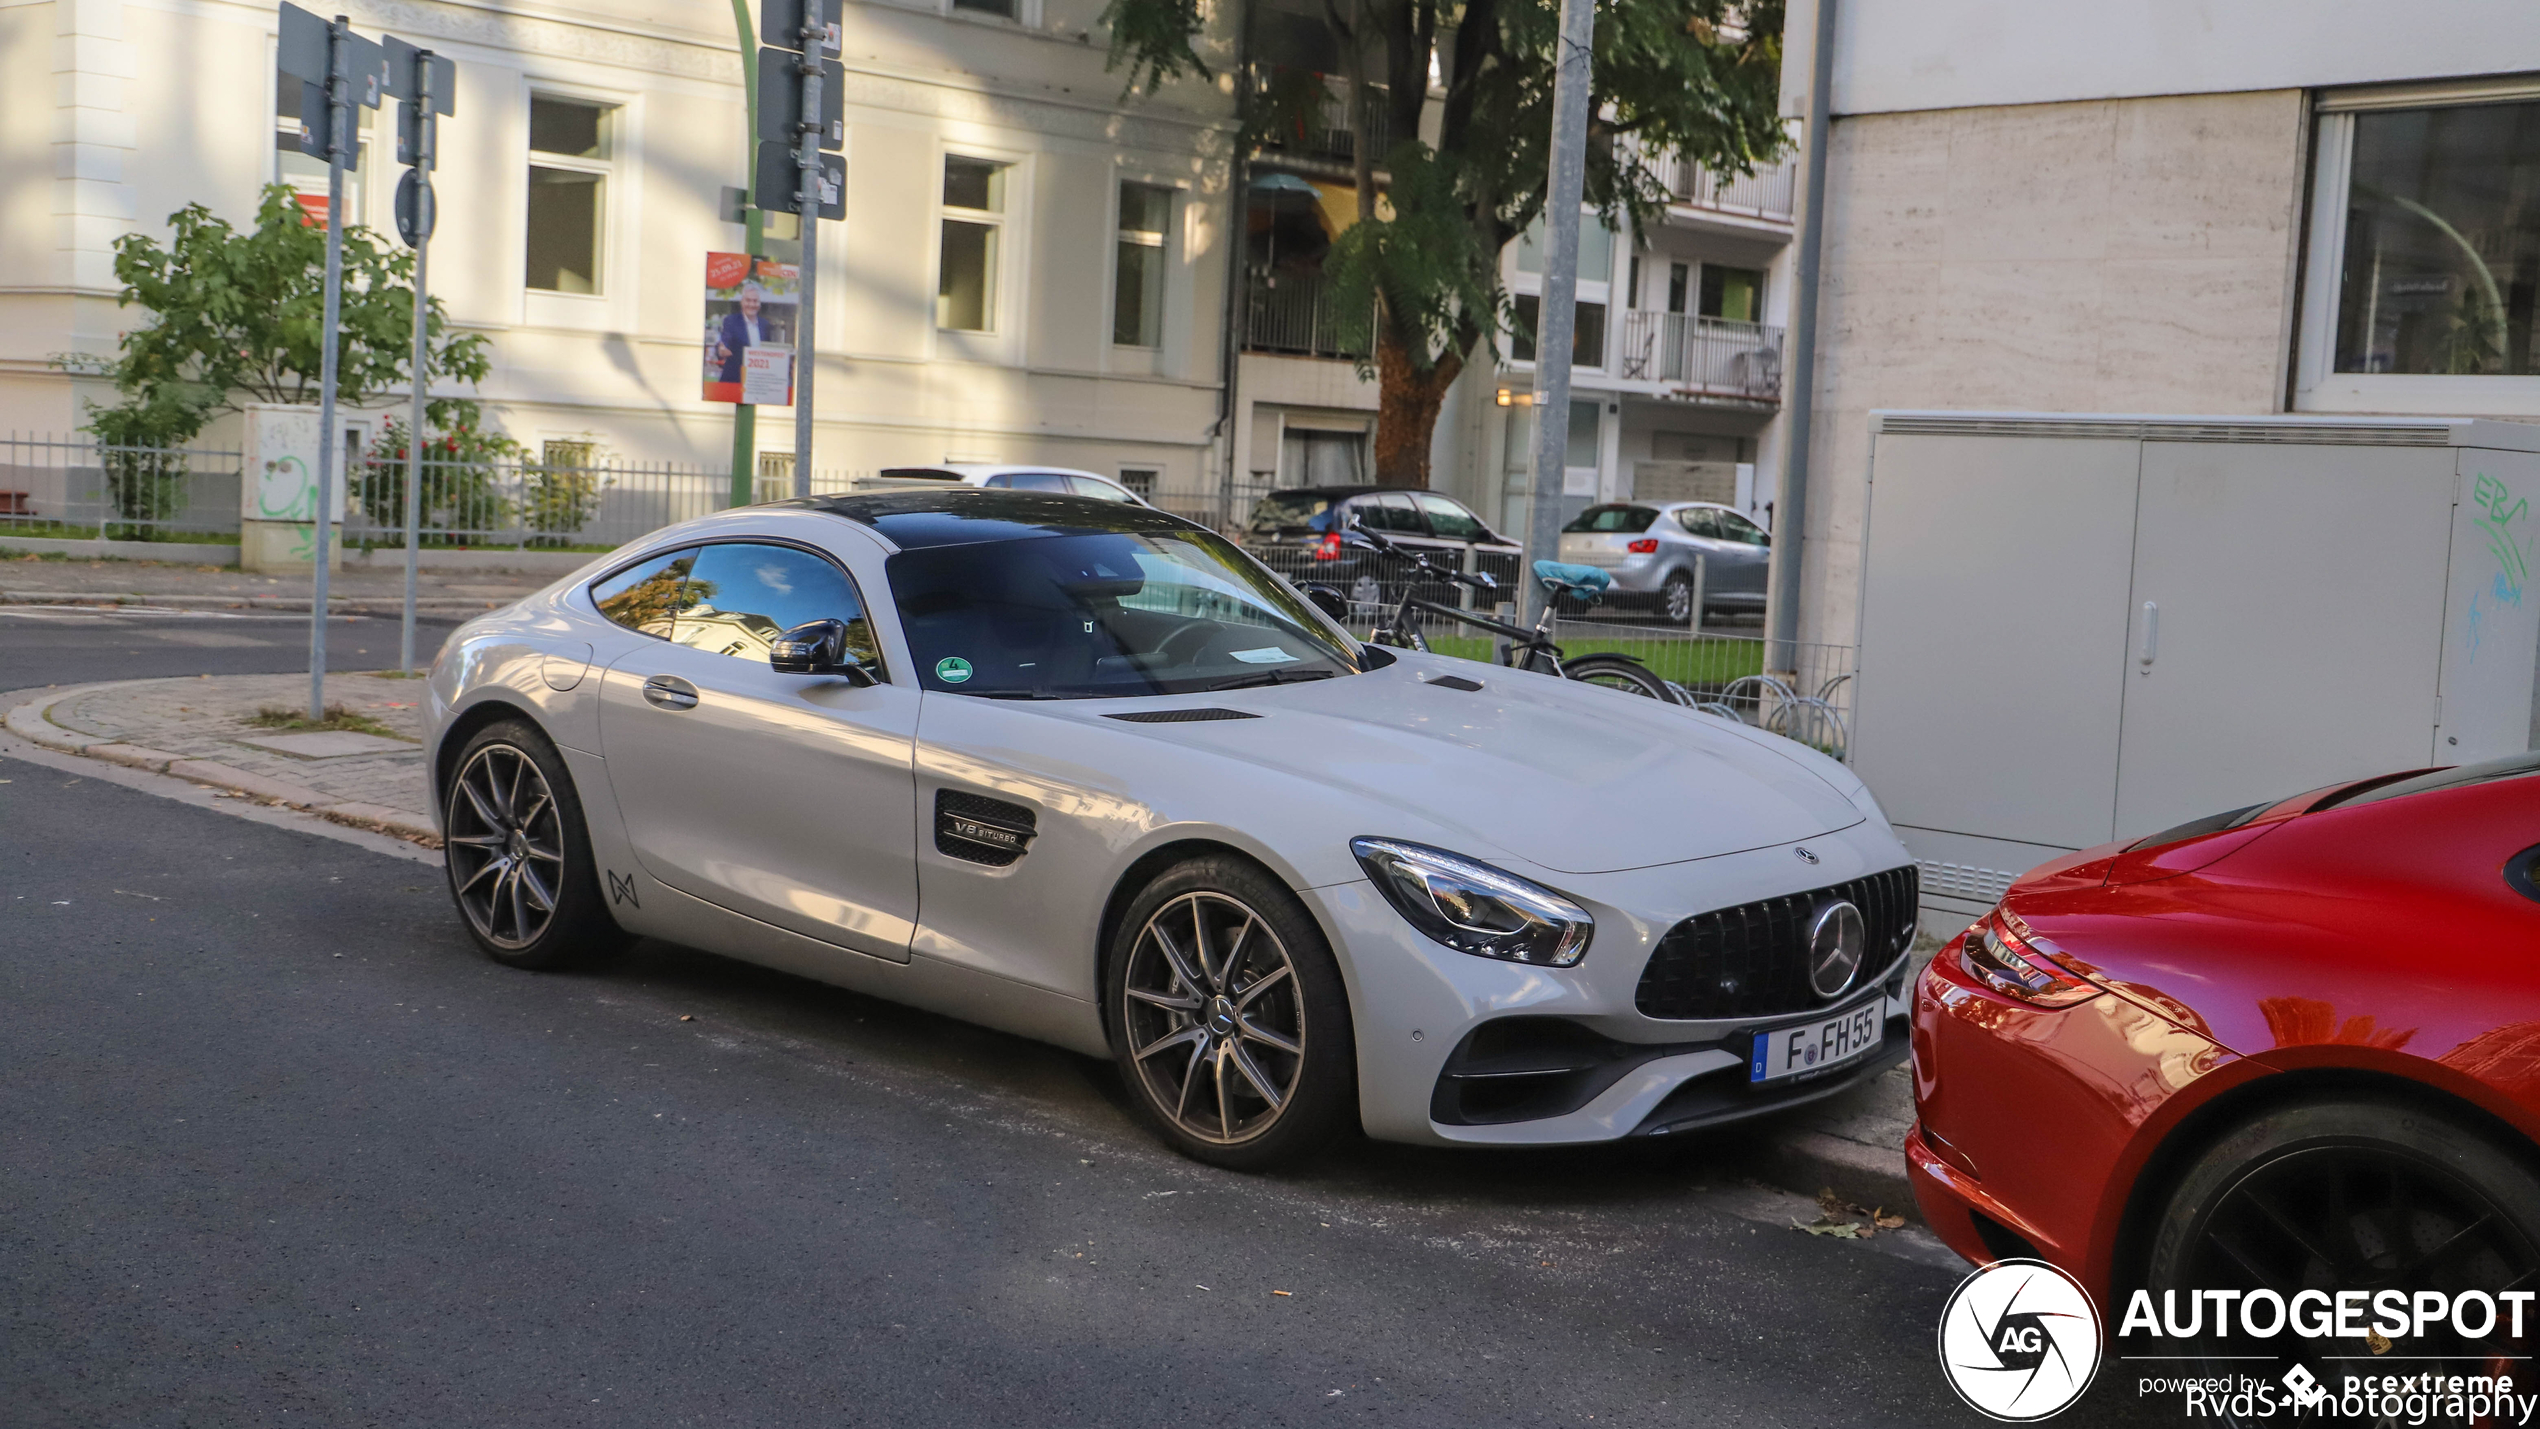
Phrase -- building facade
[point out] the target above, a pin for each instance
(2164, 207)
(1032, 266)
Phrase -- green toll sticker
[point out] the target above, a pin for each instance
(952, 669)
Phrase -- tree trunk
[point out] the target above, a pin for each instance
(1407, 408)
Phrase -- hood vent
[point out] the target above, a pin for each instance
(1180, 716)
(1454, 682)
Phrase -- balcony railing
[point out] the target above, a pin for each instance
(1293, 313)
(1330, 135)
(1707, 356)
(1764, 194)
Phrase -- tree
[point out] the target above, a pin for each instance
(1696, 78)
(239, 316)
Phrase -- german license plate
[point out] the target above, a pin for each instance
(1849, 1035)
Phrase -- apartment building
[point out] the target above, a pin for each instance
(2164, 206)
(1032, 266)
(1677, 381)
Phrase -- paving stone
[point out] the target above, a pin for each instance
(327, 744)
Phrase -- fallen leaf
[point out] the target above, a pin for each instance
(1887, 1222)
(684, 1017)
(1840, 1230)
(1278, 1292)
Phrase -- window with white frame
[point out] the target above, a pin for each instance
(570, 166)
(1140, 255)
(1140, 480)
(974, 221)
(1595, 285)
(2424, 262)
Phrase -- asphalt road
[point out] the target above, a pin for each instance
(69, 645)
(280, 1146)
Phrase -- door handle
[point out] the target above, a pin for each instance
(669, 692)
(2150, 648)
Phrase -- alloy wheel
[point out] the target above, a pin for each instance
(2356, 1217)
(506, 846)
(1214, 1018)
(1679, 598)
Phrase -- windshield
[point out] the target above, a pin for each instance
(1633, 519)
(1289, 510)
(1105, 614)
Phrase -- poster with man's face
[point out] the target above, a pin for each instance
(749, 332)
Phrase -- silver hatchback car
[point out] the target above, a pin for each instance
(1650, 549)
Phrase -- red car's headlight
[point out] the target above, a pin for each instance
(2006, 955)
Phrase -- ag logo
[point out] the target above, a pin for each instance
(2019, 1340)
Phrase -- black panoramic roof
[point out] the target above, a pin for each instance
(912, 520)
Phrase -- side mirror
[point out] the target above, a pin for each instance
(817, 647)
(1328, 599)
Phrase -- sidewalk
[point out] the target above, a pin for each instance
(202, 729)
(41, 580)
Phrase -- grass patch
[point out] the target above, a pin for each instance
(1687, 662)
(115, 531)
(338, 718)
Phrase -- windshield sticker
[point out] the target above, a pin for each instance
(952, 669)
(1267, 655)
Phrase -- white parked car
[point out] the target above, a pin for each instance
(1087, 772)
(1053, 480)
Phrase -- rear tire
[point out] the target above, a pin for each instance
(518, 855)
(1675, 601)
(1228, 1017)
(1617, 672)
(2348, 1196)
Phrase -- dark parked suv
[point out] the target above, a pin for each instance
(1297, 532)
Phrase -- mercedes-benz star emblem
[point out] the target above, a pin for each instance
(1805, 855)
(1836, 940)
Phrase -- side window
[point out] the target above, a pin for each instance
(741, 597)
(1738, 528)
(1700, 520)
(647, 596)
(1096, 488)
(1049, 481)
(1391, 512)
(999, 483)
(1451, 520)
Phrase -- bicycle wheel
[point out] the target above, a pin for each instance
(1617, 672)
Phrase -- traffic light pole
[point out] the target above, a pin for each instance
(807, 204)
(339, 104)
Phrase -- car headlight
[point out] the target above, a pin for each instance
(1475, 908)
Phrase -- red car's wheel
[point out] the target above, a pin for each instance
(2350, 1196)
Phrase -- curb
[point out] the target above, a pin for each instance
(27, 720)
(1811, 1161)
(363, 604)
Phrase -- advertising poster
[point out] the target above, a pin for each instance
(749, 329)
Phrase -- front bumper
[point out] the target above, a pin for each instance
(1613, 1072)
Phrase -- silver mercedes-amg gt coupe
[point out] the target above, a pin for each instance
(1088, 773)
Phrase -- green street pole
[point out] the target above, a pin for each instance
(744, 415)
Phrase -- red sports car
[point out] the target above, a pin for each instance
(2293, 1047)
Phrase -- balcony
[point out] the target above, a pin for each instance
(1329, 135)
(1702, 357)
(1292, 313)
(1764, 195)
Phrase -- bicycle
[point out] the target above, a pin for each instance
(1528, 649)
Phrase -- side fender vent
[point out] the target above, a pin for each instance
(1180, 716)
(978, 829)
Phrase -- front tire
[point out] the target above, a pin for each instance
(1675, 600)
(2338, 1196)
(518, 855)
(1229, 1020)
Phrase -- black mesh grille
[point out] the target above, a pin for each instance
(979, 829)
(1180, 716)
(1752, 960)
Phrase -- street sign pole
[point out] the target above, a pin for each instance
(339, 123)
(1557, 315)
(807, 204)
(744, 414)
(426, 134)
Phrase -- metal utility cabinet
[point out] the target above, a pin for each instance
(2075, 629)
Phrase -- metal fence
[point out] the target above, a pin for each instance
(1721, 673)
(534, 505)
(76, 488)
(1331, 133)
(1712, 355)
